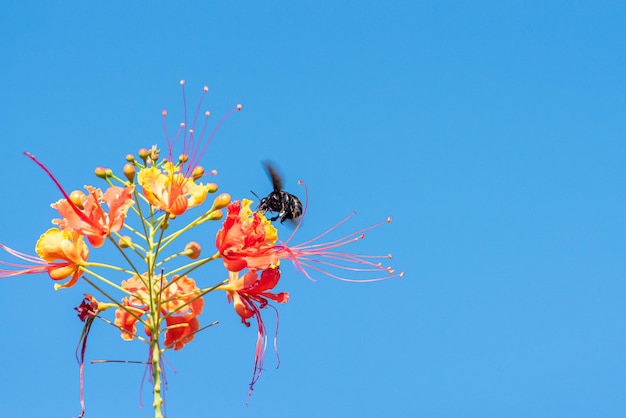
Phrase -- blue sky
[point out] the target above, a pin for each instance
(492, 133)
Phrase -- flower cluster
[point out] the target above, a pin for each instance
(143, 215)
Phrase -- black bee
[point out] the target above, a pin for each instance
(279, 201)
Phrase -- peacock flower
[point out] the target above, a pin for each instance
(61, 254)
(180, 305)
(171, 191)
(246, 239)
(85, 215)
(249, 294)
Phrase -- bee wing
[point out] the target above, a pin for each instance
(272, 172)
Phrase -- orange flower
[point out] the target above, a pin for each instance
(179, 304)
(246, 239)
(61, 255)
(89, 219)
(171, 191)
(249, 295)
(87, 216)
(126, 318)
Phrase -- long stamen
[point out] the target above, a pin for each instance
(192, 151)
(208, 141)
(309, 255)
(80, 213)
(182, 86)
(193, 148)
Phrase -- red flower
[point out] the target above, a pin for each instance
(180, 330)
(249, 295)
(246, 239)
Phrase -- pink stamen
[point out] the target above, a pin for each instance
(208, 141)
(310, 255)
(192, 144)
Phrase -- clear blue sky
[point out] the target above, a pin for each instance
(493, 133)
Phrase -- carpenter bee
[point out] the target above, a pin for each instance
(286, 205)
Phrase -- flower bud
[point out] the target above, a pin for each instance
(77, 198)
(192, 250)
(197, 172)
(129, 172)
(211, 187)
(221, 201)
(130, 158)
(216, 215)
(101, 172)
(143, 154)
(125, 241)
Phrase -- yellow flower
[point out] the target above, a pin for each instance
(171, 191)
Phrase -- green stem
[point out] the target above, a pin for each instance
(156, 374)
(188, 268)
(205, 217)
